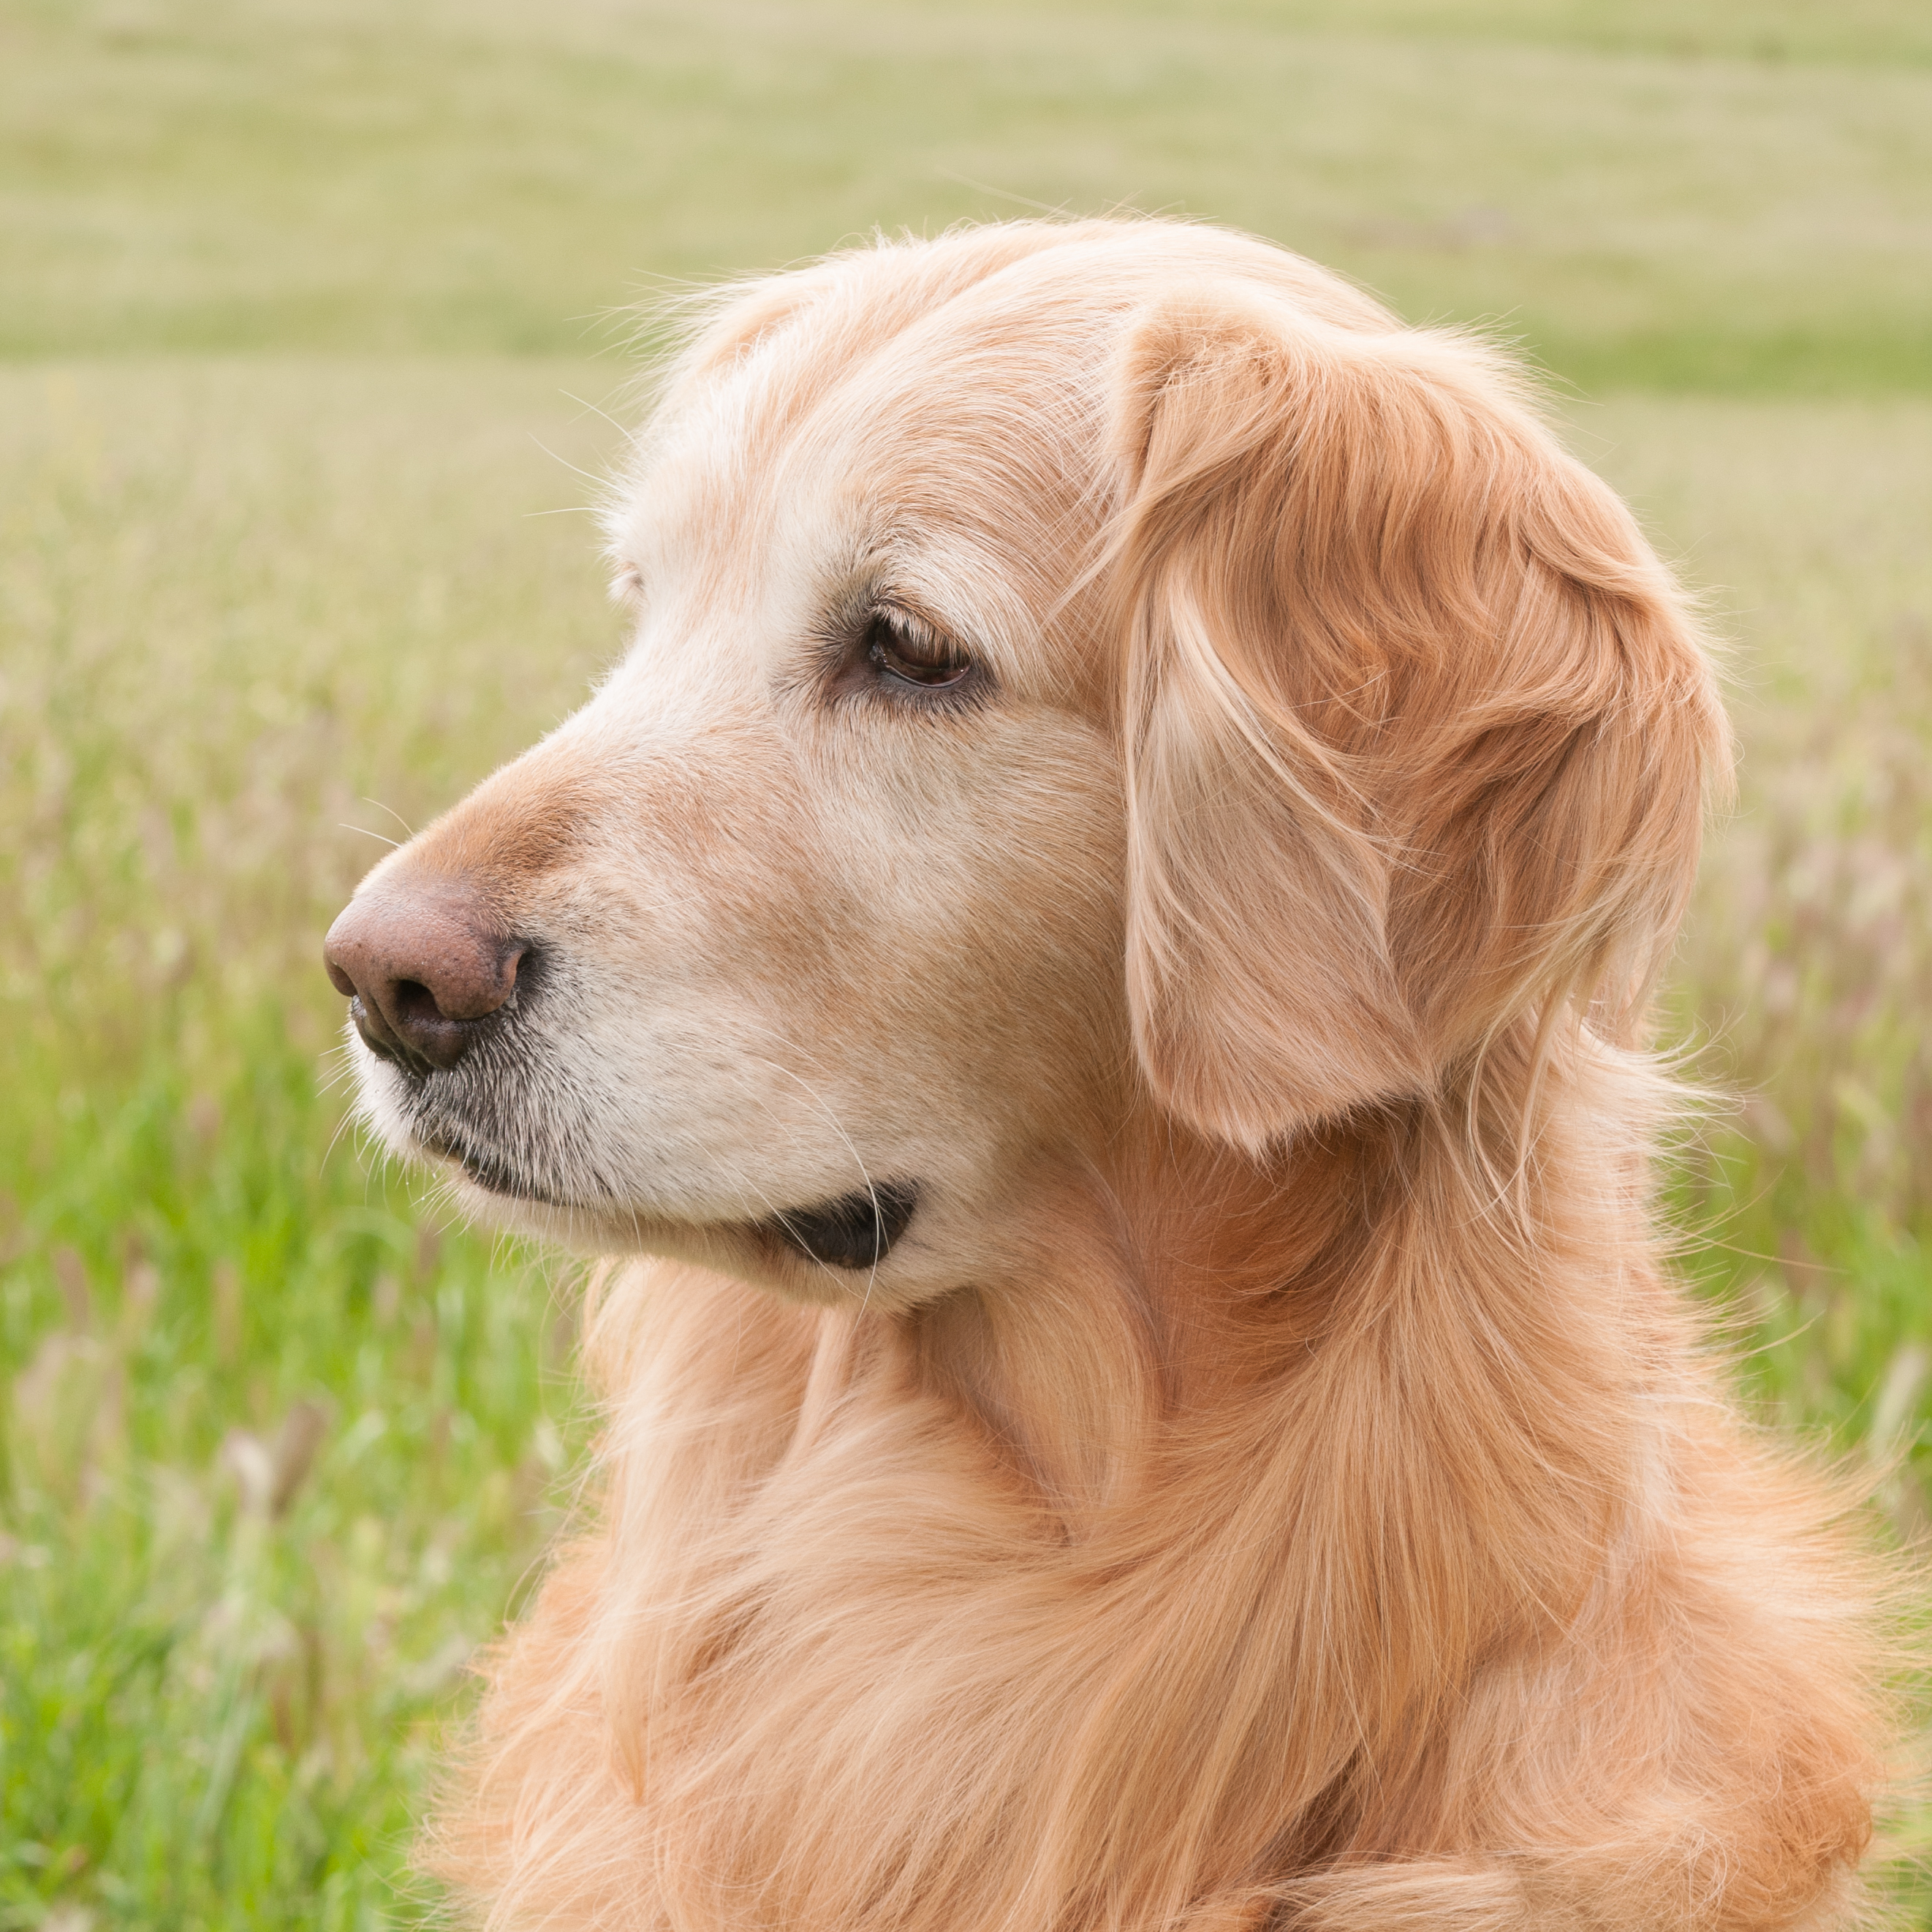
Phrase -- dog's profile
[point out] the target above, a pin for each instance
(1100, 936)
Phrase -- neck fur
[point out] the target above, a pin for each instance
(1126, 1581)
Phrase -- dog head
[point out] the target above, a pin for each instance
(1080, 673)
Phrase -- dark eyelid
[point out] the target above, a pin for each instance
(878, 625)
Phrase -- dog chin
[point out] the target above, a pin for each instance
(490, 1192)
(746, 1251)
(487, 1173)
(809, 1247)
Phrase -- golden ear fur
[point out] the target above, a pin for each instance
(1417, 728)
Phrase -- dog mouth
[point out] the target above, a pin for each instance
(455, 1113)
(489, 1171)
(854, 1232)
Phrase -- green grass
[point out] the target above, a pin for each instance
(1806, 974)
(299, 299)
(221, 1668)
(1701, 196)
(216, 1701)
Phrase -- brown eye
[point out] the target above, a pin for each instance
(901, 646)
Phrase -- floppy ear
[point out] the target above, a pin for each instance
(1416, 729)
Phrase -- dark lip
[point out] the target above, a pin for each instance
(488, 1171)
(855, 1232)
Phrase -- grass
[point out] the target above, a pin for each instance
(300, 301)
(1806, 974)
(1714, 195)
(275, 1450)
(221, 1663)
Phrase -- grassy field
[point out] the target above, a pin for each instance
(1686, 194)
(306, 327)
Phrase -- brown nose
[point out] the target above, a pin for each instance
(421, 965)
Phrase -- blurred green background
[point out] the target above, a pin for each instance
(308, 311)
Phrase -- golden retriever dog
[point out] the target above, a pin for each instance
(1099, 940)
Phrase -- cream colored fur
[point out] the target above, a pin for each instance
(1274, 1480)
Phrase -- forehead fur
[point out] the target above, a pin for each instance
(916, 390)
(976, 321)
(856, 301)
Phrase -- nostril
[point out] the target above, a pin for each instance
(413, 1004)
(377, 1038)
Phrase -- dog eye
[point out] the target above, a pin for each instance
(898, 645)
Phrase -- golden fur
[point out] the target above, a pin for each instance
(1276, 1480)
